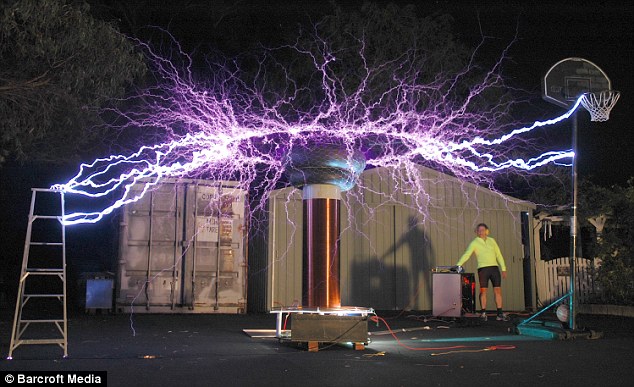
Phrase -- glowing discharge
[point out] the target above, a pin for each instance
(236, 131)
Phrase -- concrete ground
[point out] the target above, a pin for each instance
(213, 350)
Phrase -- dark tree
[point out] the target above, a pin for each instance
(395, 36)
(58, 65)
(614, 246)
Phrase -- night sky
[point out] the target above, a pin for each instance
(541, 35)
(600, 32)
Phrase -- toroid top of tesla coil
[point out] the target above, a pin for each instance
(324, 164)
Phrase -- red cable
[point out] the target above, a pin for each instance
(285, 320)
(377, 318)
(501, 347)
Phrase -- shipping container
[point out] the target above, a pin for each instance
(182, 249)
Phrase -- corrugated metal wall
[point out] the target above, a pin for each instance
(284, 270)
(182, 249)
(389, 246)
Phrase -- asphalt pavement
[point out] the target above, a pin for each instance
(213, 350)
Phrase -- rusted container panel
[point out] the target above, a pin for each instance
(182, 249)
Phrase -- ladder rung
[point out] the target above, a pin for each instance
(42, 295)
(42, 321)
(44, 270)
(41, 341)
(38, 273)
(51, 190)
(45, 217)
(46, 243)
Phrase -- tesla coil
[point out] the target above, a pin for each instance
(323, 171)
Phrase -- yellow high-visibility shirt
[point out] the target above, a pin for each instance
(487, 253)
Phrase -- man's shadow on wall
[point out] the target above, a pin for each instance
(392, 285)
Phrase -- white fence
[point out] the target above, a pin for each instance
(553, 279)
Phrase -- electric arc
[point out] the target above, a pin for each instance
(230, 129)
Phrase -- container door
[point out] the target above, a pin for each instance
(150, 257)
(217, 270)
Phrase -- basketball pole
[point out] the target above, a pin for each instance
(568, 83)
(523, 328)
(573, 226)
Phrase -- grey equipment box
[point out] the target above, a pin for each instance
(453, 294)
(329, 328)
(99, 293)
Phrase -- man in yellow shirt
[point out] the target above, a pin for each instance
(490, 261)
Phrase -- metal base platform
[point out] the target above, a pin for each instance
(324, 325)
(554, 330)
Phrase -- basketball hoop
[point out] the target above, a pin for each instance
(599, 104)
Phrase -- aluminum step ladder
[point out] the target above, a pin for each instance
(43, 276)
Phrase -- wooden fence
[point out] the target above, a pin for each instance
(553, 279)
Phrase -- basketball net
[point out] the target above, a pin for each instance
(600, 104)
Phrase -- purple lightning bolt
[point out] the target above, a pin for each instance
(229, 129)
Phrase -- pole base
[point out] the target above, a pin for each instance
(551, 330)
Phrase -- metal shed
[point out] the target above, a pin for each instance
(392, 236)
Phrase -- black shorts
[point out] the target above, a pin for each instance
(490, 273)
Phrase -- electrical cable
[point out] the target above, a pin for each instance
(376, 318)
(453, 349)
(430, 318)
(286, 320)
(411, 302)
(485, 349)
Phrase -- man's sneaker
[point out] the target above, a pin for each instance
(503, 317)
(483, 316)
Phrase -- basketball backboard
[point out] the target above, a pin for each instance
(569, 78)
